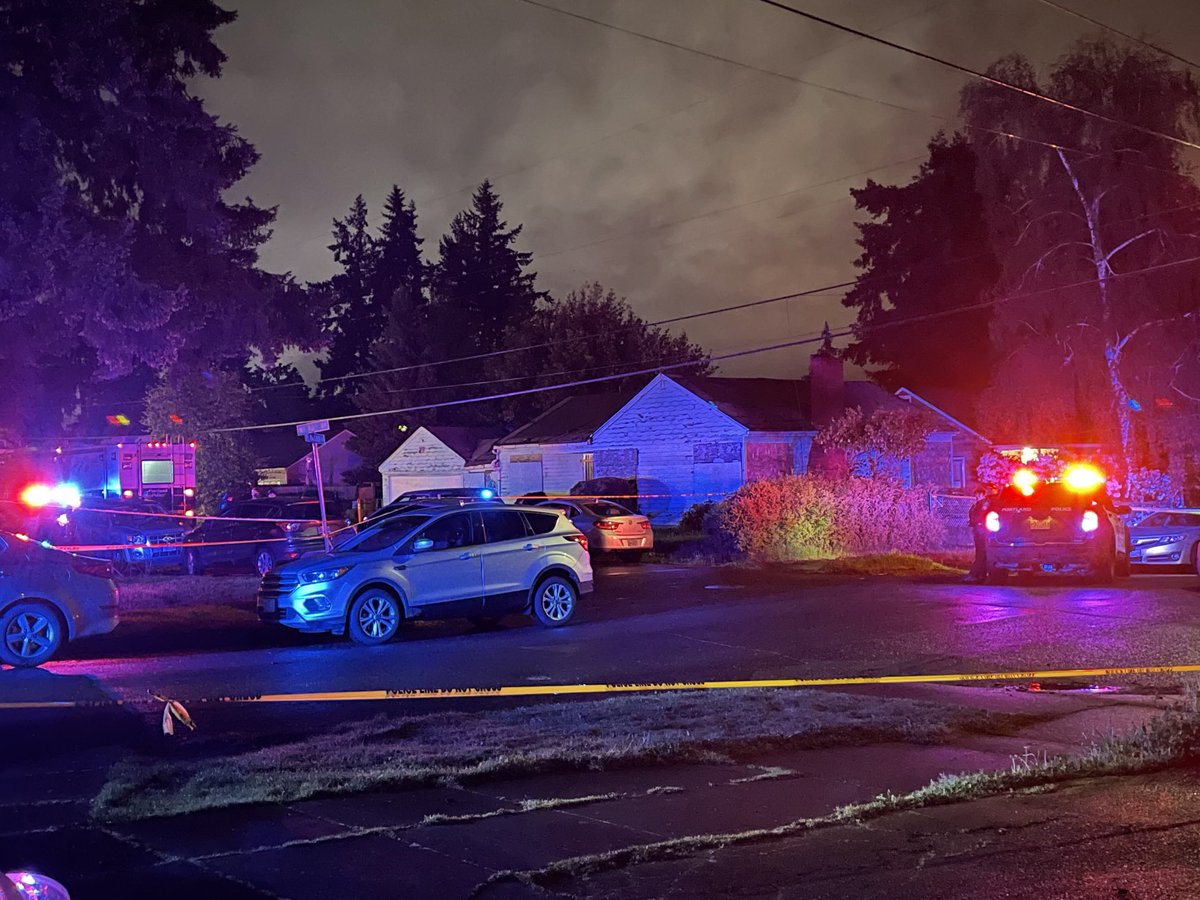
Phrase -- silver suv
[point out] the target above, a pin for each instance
(481, 563)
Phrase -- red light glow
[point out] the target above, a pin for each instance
(1083, 477)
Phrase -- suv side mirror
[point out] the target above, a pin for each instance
(421, 545)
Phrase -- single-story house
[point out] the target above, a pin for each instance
(289, 460)
(441, 456)
(684, 439)
(687, 439)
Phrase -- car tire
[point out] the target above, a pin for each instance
(31, 633)
(264, 560)
(555, 601)
(192, 564)
(1123, 568)
(375, 617)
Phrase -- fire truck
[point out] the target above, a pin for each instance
(141, 467)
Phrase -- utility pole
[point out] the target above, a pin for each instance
(314, 433)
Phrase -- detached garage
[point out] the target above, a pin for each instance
(440, 456)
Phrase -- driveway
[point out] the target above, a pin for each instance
(661, 623)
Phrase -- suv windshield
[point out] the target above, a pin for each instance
(389, 533)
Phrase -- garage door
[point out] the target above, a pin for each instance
(522, 476)
(395, 485)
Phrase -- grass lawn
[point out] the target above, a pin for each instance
(1171, 740)
(894, 565)
(160, 592)
(648, 729)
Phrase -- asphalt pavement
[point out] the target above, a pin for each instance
(666, 623)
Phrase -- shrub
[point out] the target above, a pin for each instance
(692, 519)
(804, 517)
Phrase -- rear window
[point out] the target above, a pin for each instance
(503, 525)
(606, 509)
(541, 523)
(1047, 495)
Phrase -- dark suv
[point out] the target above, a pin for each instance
(1054, 529)
(137, 535)
(254, 535)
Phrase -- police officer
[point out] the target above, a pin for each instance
(975, 519)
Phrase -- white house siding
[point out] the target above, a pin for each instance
(683, 450)
(421, 462)
(551, 468)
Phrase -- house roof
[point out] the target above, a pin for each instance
(760, 404)
(570, 420)
(472, 442)
(278, 449)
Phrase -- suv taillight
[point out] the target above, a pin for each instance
(580, 539)
(646, 525)
(290, 527)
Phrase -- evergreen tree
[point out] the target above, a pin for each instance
(118, 249)
(925, 250)
(480, 283)
(354, 319)
(398, 263)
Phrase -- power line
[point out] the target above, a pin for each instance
(637, 126)
(1129, 37)
(844, 331)
(982, 76)
(668, 321)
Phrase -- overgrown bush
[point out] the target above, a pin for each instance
(692, 519)
(805, 517)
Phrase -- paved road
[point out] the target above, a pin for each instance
(660, 623)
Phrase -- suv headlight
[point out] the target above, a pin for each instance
(137, 539)
(323, 575)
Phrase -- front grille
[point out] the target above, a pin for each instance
(274, 585)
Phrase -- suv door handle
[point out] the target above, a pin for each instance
(529, 547)
(468, 556)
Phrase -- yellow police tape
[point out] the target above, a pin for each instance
(538, 690)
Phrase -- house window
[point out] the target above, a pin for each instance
(589, 467)
(958, 472)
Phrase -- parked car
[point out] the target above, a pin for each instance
(1166, 538)
(1052, 528)
(448, 496)
(255, 535)
(481, 563)
(152, 538)
(609, 526)
(48, 598)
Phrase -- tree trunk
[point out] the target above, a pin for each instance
(1112, 345)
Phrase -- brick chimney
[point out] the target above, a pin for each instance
(827, 383)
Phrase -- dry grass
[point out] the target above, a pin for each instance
(448, 747)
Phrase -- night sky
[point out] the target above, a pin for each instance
(601, 142)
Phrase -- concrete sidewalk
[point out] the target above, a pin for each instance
(445, 842)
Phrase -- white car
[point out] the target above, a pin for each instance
(1167, 538)
(610, 527)
(479, 562)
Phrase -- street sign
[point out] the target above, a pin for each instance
(315, 438)
(313, 427)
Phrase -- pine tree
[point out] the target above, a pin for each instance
(398, 263)
(354, 320)
(480, 283)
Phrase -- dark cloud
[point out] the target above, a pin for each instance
(602, 139)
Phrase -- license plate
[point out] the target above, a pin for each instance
(636, 542)
(1040, 524)
(268, 604)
